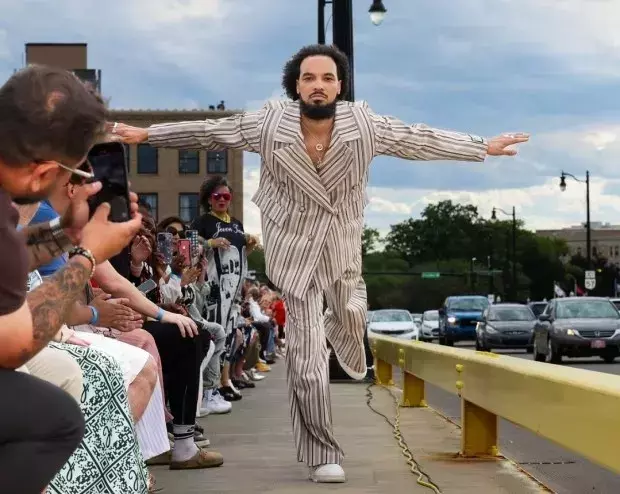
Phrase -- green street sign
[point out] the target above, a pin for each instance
(430, 275)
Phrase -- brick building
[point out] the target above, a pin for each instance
(167, 179)
(605, 239)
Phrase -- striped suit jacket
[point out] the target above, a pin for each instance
(308, 213)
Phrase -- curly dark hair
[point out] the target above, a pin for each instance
(208, 187)
(291, 74)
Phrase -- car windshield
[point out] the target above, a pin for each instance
(468, 304)
(586, 309)
(510, 314)
(391, 316)
(538, 308)
(431, 315)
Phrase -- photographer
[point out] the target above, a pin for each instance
(48, 122)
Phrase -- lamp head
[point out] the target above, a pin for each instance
(377, 12)
(493, 215)
(562, 182)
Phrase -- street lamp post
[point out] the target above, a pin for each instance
(514, 246)
(588, 226)
(342, 29)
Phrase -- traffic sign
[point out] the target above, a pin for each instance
(430, 275)
(590, 275)
(590, 284)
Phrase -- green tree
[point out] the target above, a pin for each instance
(445, 231)
(370, 240)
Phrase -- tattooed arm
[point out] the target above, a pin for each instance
(25, 332)
(45, 242)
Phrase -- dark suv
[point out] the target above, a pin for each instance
(459, 317)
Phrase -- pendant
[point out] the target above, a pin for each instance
(319, 147)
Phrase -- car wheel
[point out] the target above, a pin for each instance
(478, 345)
(529, 349)
(609, 359)
(538, 357)
(553, 355)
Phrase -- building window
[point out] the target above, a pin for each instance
(616, 251)
(217, 162)
(151, 200)
(188, 206)
(147, 159)
(189, 161)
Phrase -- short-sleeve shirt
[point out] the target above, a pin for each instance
(13, 259)
(45, 214)
(226, 268)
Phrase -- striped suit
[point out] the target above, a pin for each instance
(312, 223)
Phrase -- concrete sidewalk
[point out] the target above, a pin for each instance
(259, 454)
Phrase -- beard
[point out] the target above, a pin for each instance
(315, 111)
(28, 200)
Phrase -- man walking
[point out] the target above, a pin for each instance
(316, 151)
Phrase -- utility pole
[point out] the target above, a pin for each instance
(342, 24)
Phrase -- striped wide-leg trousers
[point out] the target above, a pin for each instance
(307, 364)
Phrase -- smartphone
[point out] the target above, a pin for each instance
(109, 163)
(192, 236)
(164, 246)
(185, 249)
(147, 287)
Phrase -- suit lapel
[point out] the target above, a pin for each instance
(294, 159)
(340, 156)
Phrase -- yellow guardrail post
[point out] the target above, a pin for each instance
(478, 426)
(479, 431)
(383, 372)
(413, 391)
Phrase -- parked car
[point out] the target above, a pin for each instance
(417, 318)
(429, 326)
(459, 316)
(393, 322)
(577, 327)
(506, 326)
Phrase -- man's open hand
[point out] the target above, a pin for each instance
(498, 145)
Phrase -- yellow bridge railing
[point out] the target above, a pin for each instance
(577, 409)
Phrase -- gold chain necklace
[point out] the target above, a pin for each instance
(319, 145)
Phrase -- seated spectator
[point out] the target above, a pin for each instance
(34, 155)
(105, 406)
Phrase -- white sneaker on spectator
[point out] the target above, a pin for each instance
(255, 376)
(213, 402)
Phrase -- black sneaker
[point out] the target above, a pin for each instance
(229, 395)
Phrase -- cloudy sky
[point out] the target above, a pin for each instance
(548, 67)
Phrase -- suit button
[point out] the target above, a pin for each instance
(310, 237)
(282, 184)
(302, 209)
(354, 187)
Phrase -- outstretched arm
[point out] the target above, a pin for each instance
(241, 131)
(420, 142)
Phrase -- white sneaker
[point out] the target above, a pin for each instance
(330, 473)
(214, 403)
(255, 375)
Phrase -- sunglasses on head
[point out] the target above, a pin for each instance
(226, 196)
